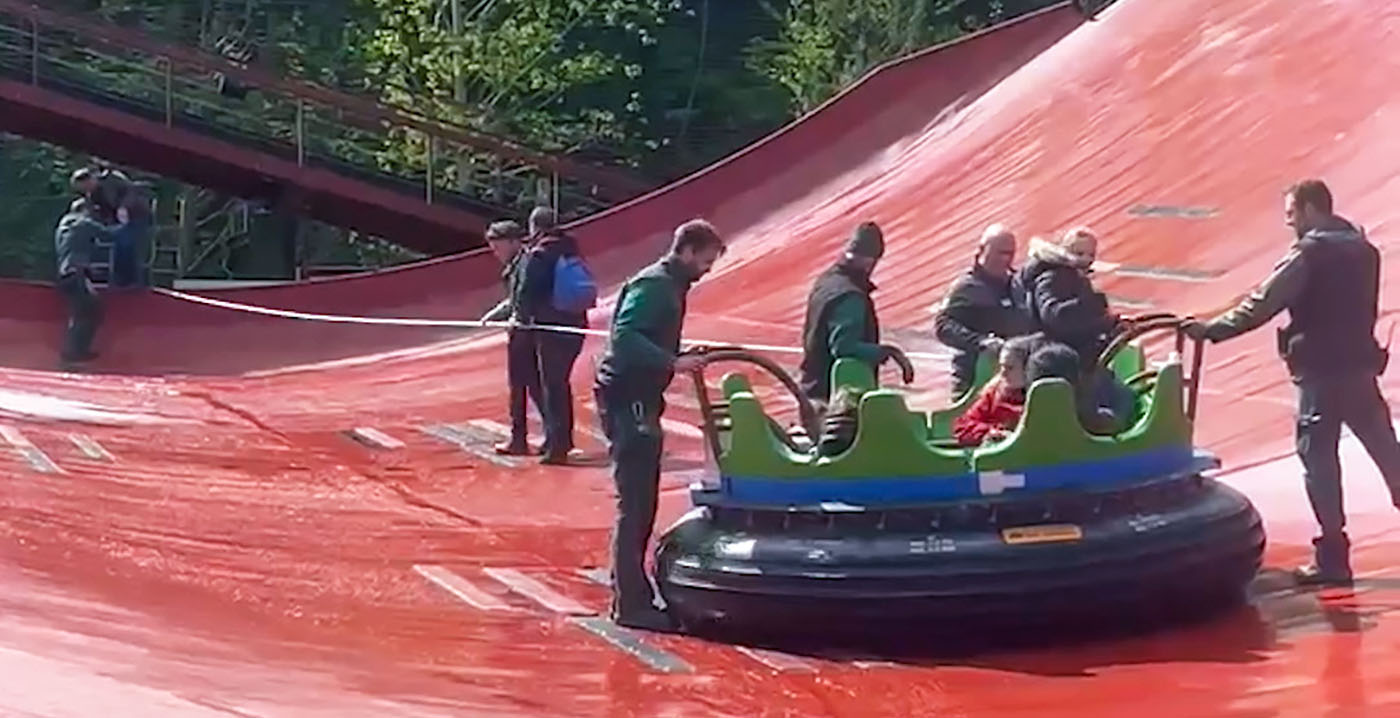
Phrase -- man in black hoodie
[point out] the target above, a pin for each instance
(981, 310)
(841, 321)
(506, 240)
(556, 351)
(1330, 284)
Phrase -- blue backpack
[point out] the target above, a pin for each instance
(575, 290)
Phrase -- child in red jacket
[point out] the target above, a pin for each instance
(997, 411)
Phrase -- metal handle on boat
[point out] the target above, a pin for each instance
(711, 355)
(1158, 321)
(896, 355)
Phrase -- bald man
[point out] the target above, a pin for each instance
(981, 311)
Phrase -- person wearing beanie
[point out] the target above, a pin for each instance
(506, 239)
(841, 321)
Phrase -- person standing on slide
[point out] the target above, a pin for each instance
(506, 240)
(1329, 281)
(555, 289)
(642, 356)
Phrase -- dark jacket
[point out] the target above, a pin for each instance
(535, 288)
(1330, 284)
(510, 278)
(645, 336)
(840, 324)
(978, 306)
(74, 238)
(1063, 304)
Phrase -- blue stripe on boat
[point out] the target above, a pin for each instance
(875, 490)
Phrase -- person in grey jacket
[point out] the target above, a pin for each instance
(1329, 281)
(86, 222)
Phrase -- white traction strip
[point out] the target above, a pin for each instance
(463, 589)
(538, 592)
(778, 661)
(375, 437)
(91, 448)
(37, 459)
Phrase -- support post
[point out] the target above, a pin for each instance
(432, 159)
(169, 92)
(34, 52)
(301, 132)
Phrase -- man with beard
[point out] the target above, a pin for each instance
(1330, 284)
(642, 356)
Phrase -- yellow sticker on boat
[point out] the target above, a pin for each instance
(1045, 533)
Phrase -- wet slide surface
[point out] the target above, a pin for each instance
(247, 516)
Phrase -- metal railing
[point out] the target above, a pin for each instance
(380, 144)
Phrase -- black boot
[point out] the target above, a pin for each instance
(646, 619)
(1331, 565)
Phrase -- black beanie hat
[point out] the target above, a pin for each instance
(868, 241)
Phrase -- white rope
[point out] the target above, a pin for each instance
(467, 324)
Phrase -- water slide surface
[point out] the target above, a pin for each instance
(253, 516)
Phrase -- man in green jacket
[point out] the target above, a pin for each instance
(841, 321)
(643, 355)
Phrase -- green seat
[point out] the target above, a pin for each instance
(1050, 432)
(940, 422)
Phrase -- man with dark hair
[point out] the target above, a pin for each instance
(506, 240)
(981, 310)
(1329, 281)
(642, 356)
(841, 321)
(555, 351)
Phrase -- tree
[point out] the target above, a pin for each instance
(825, 45)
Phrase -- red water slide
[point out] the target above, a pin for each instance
(260, 516)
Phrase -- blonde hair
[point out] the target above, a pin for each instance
(1080, 232)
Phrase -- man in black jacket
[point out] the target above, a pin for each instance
(841, 321)
(555, 351)
(981, 310)
(642, 357)
(506, 240)
(1330, 284)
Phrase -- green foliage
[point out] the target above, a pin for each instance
(659, 86)
(34, 180)
(825, 45)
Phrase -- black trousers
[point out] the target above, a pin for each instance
(1323, 406)
(556, 353)
(633, 428)
(84, 316)
(523, 376)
